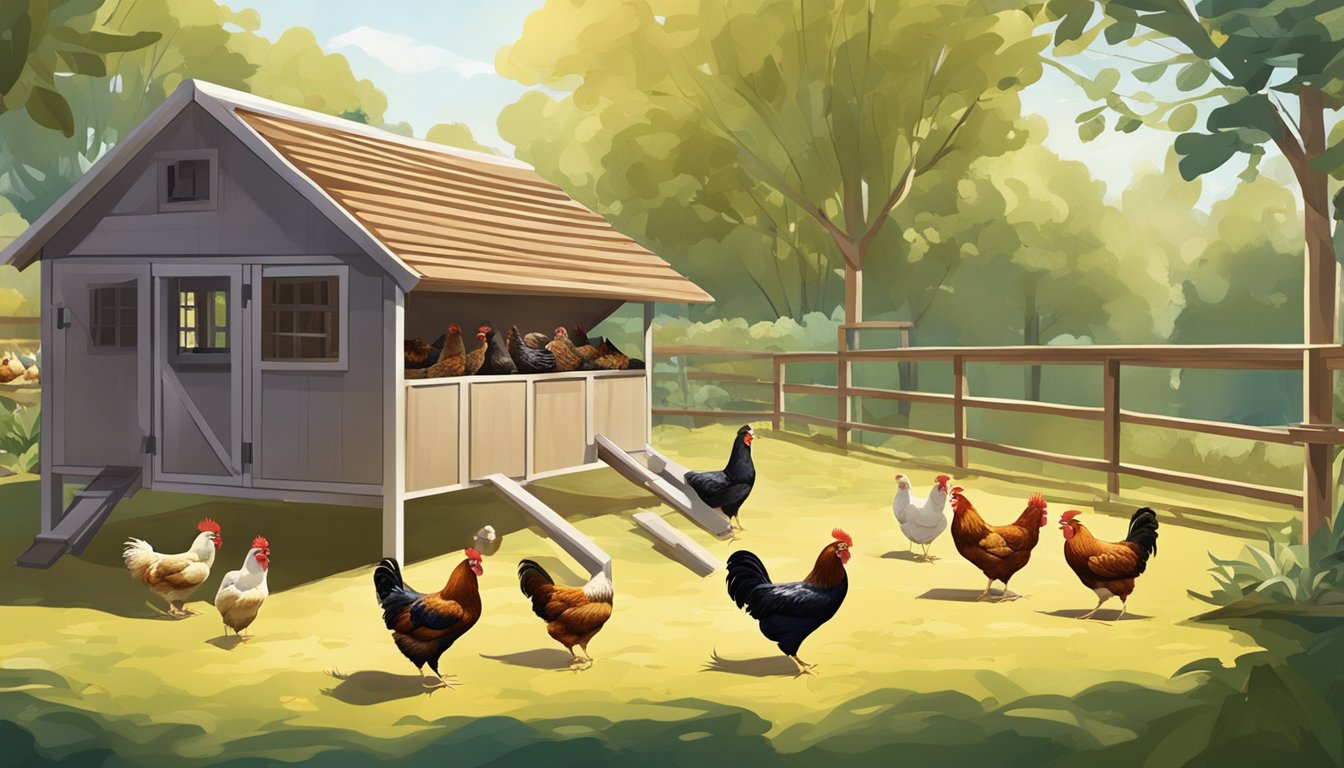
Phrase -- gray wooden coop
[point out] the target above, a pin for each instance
(226, 292)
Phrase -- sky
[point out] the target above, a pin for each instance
(435, 62)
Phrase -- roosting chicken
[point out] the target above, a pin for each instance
(583, 346)
(566, 355)
(611, 358)
(727, 489)
(527, 359)
(498, 361)
(573, 615)
(999, 551)
(921, 520)
(418, 354)
(788, 613)
(476, 357)
(452, 358)
(424, 626)
(242, 592)
(1109, 568)
(175, 577)
(536, 340)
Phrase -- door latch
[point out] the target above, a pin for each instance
(62, 317)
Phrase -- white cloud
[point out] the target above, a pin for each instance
(405, 57)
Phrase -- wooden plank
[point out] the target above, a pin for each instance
(576, 545)
(1032, 453)
(1318, 407)
(676, 497)
(1027, 406)
(1259, 492)
(620, 411)
(498, 428)
(937, 437)
(959, 412)
(776, 422)
(559, 439)
(824, 390)
(1217, 356)
(691, 554)
(433, 422)
(1110, 440)
(876, 324)
(706, 413)
(1263, 434)
(394, 422)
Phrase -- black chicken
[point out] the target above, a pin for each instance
(727, 489)
(527, 359)
(497, 359)
(788, 613)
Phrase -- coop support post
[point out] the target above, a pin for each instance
(52, 492)
(959, 411)
(648, 370)
(1318, 411)
(1110, 448)
(394, 422)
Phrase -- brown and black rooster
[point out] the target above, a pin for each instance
(425, 625)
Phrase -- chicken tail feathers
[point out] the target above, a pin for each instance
(138, 556)
(1143, 534)
(393, 595)
(746, 572)
(533, 580)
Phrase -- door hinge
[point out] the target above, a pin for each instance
(62, 317)
(247, 294)
(151, 444)
(247, 454)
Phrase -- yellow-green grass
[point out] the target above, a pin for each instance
(84, 637)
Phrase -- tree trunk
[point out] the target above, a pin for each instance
(1031, 335)
(853, 293)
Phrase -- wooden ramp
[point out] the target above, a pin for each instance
(692, 555)
(673, 491)
(578, 546)
(82, 518)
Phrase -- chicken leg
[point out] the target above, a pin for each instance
(1100, 602)
(803, 667)
(985, 594)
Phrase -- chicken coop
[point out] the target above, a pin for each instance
(226, 294)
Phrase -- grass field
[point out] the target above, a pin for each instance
(911, 666)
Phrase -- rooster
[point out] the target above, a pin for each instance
(573, 615)
(999, 551)
(1109, 568)
(175, 577)
(566, 355)
(497, 359)
(527, 359)
(476, 357)
(921, 520)
(452, 358)
(424, 626)
(242, 592)
(788, 613)
(727, 489)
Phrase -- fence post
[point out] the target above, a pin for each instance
(1110, 441)
(959, 411)
(1318, 410)
(777, 422)
(842, 388)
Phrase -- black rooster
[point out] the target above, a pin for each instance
(727, 489)
(527, 359)
(788, 613)
(497, 359)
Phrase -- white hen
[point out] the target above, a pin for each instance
(242, 592)
(921, 520)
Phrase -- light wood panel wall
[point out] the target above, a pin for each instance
(619, 411)
(498, 429)
(559, 426)
(432, 424)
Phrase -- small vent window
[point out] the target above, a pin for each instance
(187, 180)
(112, 315)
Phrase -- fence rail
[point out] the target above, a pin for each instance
(1318, 432)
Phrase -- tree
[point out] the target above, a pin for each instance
(813, 119)
(457, 135)
(1252, 59)
(42, 39)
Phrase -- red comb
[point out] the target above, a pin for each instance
(261, 543)
(958, 489)
(1037, 501)
(1072, 513)
(840, 535)
(472, 554)
(208, 525)
(454, 328)
(942, 478)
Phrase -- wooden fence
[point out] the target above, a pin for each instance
(1317, 433)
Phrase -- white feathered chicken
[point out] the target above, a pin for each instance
(175, 577)
(921, 520)
(242, 592)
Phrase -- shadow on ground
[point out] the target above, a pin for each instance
(367, 687)
(763, 666)
(540, 658)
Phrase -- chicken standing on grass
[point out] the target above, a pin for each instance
(1109, 568)
(573, 615)
(242, 592)
(921, 520)
(788, 613)
(999, 551)
(175, 577)
(727, 490)
(424, 626)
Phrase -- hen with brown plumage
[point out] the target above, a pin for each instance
(573, 615)
(999, 551)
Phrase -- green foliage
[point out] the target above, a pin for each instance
(1282, 571)
(457, 135)
(42, 39)
(20, 434)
